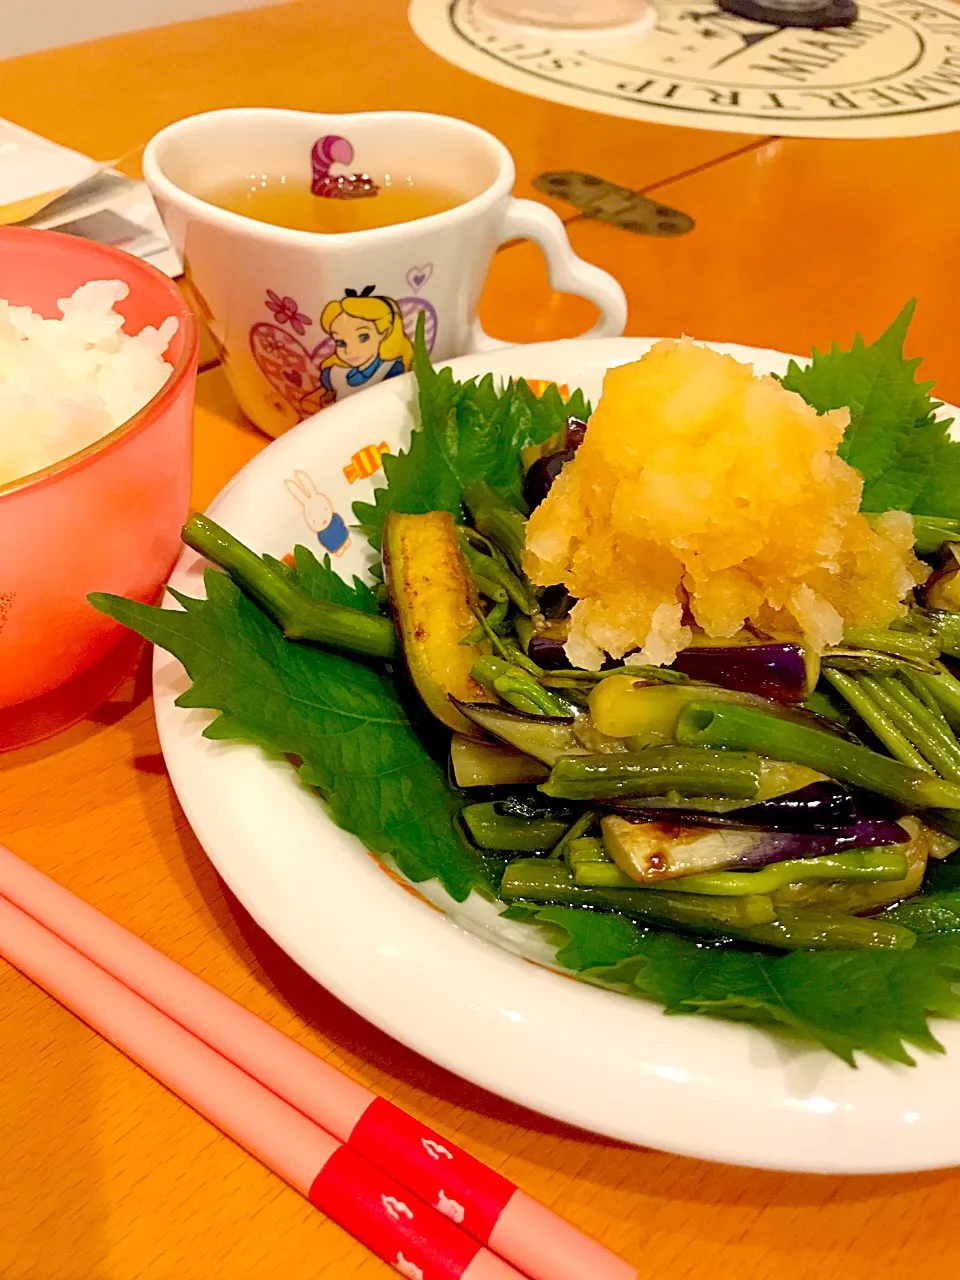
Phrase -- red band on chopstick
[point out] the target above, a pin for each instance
(463, 1189)
(391, 1222)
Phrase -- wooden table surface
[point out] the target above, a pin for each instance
(106, 1176)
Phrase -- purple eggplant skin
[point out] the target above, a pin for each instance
(538, 481)
(547, 651)
(783, 846)
(542, 473)
(818, 807)
(576, 430)
(779, 846)
(546, 644)
(821, 806)
(777, 671)
(556, 602)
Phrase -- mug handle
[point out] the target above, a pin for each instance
(529, 220)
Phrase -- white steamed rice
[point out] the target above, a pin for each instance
(67, 383)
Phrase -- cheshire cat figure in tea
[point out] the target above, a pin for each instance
(332, 150)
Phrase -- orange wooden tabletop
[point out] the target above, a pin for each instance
(796, 243)
(106, 1176)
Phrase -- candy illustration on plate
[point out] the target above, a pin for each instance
(365, 462)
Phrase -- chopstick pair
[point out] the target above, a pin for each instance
(415, 1199)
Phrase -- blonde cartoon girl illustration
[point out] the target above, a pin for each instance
(369, 342)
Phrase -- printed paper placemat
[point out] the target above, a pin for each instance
(894, 73)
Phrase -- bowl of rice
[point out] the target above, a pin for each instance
(98, 355)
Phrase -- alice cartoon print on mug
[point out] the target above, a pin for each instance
(365, 337)
(318, 514)
(369, 342)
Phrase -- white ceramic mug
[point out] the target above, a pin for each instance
(263, 289)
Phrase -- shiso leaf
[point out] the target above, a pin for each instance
(904, 453)
(343, 720)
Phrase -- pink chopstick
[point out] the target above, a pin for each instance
(394, 1224)
(482, 1202)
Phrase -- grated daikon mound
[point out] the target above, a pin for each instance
(66, 383)
(705, 496)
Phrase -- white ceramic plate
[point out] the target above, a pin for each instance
(456, 986)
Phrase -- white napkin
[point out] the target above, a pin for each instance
(34, 171)
(50, 187)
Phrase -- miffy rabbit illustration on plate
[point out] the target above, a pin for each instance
(319, 515)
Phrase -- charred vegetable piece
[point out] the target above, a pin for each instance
(491, 829)
(942, 588)
(784, 672)
(492, 764)
(545, 738)
(655, 771)
(733, 727)
(653, 851)
(550, 880)
(433, 602)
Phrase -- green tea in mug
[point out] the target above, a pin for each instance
(290, 202)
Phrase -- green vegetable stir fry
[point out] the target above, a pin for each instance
(755, 832)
